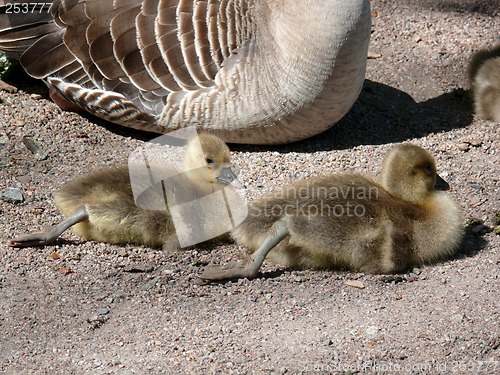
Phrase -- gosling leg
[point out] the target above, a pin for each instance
(51, 234)
(248, 269)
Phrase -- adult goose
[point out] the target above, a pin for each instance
(249, 71)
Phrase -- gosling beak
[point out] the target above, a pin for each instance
(227, 176)
(441, 184)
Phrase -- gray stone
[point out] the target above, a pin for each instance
(103, 311)
(13, 195)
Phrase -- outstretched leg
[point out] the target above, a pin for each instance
(51, 234)
(248, 269)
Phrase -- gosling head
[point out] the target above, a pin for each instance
(409, 173)
(208, 161)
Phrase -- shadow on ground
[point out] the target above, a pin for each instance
(488, 8)
(473, 242)
(383, 114)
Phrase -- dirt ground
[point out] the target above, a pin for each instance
(85, 307)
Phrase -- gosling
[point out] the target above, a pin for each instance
(101, 206)
(351, 222)
(484, 74)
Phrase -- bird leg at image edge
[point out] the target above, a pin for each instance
(248, 269)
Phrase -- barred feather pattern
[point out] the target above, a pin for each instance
(250, 71)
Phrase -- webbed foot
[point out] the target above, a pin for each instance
(248, 268)
(31, 239)
(52, 233)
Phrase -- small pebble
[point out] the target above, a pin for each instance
(374, 55)
(476, 201)
(171, 272)
(354, 283)
(148, 285)
(463, 146)
(40, 169)
(3, 139)
(475, 142)
(25, 180)
(65, 270)
(41, 155)
(55, 255)
(103, 311)
(139, 268)
(412, 277)
(38, 153)
(372, 330)
(13, 195)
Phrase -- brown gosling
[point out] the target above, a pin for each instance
(484, 75)
(101, 206)
(352, 222)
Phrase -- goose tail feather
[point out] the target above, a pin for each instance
(108, 105)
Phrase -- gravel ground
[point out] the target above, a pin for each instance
(85, 307)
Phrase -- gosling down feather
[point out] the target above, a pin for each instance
(101, 206)
(248, 71)
(484, 74)
(350, 221)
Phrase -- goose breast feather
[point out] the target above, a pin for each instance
(250, 71)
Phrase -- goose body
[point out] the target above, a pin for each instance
(101, 206)
(484, 73)
(249, 71)
(353, 222)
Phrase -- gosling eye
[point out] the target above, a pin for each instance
(209, 161)
(428, 169)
